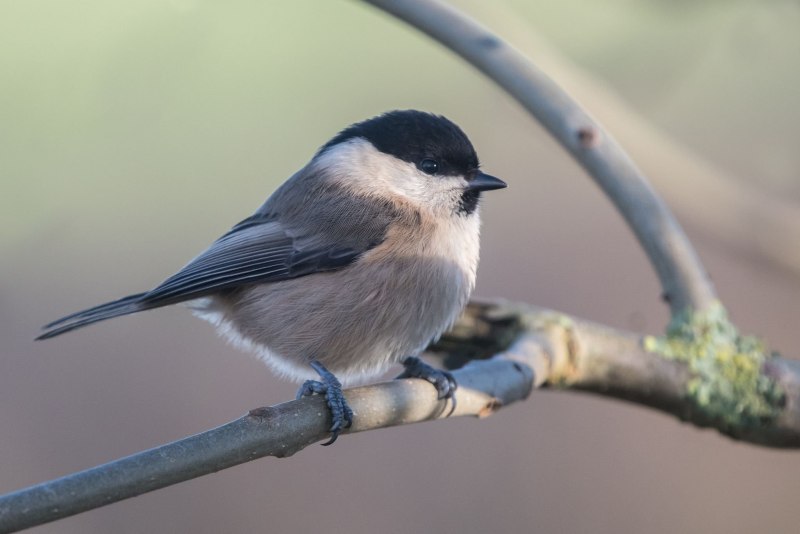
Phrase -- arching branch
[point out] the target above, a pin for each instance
(683, 278)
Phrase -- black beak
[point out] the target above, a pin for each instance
(485, 182)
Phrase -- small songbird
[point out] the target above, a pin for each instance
(358, 261)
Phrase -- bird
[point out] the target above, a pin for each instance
(358, 261)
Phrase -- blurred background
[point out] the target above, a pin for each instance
(133, 134)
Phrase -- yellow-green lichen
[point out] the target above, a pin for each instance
(727, 384)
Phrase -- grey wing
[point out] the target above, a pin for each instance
(264, 248)
(307, 226)
(253, 252)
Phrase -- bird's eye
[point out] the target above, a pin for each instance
(429, 166)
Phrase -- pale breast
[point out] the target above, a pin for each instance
(388, 305)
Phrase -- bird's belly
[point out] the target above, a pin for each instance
(355, 321)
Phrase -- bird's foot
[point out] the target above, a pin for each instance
(443, 381)
(341, 414)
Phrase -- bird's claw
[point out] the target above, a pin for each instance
(443, 381)
(341, 414)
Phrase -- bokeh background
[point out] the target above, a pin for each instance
(132, 134)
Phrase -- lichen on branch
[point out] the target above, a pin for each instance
(728, 385)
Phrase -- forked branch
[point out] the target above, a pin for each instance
(532, 348)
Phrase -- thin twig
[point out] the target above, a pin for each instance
(278, 431)
(683, 278)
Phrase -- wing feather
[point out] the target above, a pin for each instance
(307, 226)
(248, 254)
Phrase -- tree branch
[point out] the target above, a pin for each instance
(278, 431)
(719, 379)
(742, 217)
(684, 280)
(531, 347)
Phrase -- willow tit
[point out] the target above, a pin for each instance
(359, 260)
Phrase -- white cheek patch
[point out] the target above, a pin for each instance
(358, 165)
(425, 189)
(443, 193)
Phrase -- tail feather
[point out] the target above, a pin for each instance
(123, 306)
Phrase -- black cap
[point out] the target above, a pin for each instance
(415, 136)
